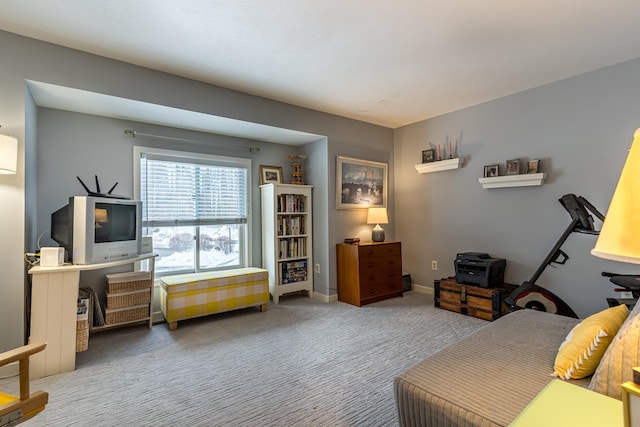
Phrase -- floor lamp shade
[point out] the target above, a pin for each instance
(619, 238)
(8, 154)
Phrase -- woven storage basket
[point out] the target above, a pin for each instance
(82, 335)
(82, 325)
(127, 314)
(127, 282)
(128, 299)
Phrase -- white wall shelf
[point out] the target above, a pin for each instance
(523, 180)
(440, 165)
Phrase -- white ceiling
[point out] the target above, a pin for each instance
(390, 63)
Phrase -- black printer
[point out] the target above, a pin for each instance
(479, 269)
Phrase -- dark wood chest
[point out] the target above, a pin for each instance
(483, 303)
(369, 272)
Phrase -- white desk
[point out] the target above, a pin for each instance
(54, 298)
(566, 405)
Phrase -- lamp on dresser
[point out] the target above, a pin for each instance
(377, 216)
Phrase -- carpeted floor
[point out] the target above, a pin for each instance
(302, 363)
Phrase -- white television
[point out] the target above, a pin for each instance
(98, 229)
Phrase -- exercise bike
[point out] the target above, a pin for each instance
(626, 283)
(528, 294)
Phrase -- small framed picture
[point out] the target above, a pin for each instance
(513, 167)
(428, 156)
(532, 166)
(490, 171)
(269, 174)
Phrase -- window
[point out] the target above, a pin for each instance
(195, 207)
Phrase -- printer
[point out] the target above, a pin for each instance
(479, 269)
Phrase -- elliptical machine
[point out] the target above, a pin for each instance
(528, 294)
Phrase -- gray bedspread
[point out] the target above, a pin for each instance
(487, 378)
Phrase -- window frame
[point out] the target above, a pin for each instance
(194, 157)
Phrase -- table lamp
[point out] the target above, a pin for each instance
(8, 154)
(377, 216)
(619, 238)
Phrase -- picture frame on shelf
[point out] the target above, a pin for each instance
(360, 184)
(533, 166)
(428, 156)
(491, 171)
(513, 167)
(270, 174)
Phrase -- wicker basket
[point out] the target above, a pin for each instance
(127, 314)
(82, 326)
(82, 336)
(127, 282)
(128, 299)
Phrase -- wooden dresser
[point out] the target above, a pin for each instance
(369, 271)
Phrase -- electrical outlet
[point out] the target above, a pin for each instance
(626, 294)
(317, 268)
(434, 265)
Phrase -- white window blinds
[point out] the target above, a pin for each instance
(180, 191)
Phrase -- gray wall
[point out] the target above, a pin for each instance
(74, 144)
(28, 59)
(580, 129)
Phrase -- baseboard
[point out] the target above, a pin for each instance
(421, 289)
(325, 298)
(10, 370)
(157, 317)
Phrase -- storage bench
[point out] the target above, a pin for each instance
(186, 296)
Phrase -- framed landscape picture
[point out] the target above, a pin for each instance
(269, 174)
(360, 184)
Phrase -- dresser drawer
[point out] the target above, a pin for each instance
(383, 258)
(391, 250)
(373, 286)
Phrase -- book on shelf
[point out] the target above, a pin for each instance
(294, 271)
(290, 225)
(291, 203)
(292, 247)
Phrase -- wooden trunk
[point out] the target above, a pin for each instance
(483, 303)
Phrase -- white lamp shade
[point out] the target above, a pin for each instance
(8, 154)
(619, 238)
(377, 216)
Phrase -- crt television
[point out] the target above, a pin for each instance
(98, 229)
